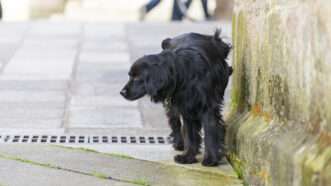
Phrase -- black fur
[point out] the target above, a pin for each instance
(189, 77)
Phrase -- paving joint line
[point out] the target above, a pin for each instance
(68, 99)
(19, 45)
(55, 167)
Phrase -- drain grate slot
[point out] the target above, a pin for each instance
(53, 139)
(81, 139)
(105, 139)
(25, 139)
(63, 139)
(114, 139)
(123, 139)
(84, 139)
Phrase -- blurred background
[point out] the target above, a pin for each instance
(110, 10)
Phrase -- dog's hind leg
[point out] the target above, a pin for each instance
(214, 137)
(175, 125)
(192, 141)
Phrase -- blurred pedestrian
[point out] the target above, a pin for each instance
(180, 8)
(0, 10)
(147, 8)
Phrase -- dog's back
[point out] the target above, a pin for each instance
(205, 57)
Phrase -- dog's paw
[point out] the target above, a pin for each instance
(185, 159)
(209, 162)
(177, 143)
(179, 146)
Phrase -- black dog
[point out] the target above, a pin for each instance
(189, 76)
(191, 40)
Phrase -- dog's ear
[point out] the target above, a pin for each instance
(155, 80)
(166, 43)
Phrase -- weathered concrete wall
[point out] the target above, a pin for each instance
(223, 9)
(280, 127)
(45, 8)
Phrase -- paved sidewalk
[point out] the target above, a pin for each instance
(67, 166)
(60, 83)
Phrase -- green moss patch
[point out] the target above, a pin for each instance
(117, 155)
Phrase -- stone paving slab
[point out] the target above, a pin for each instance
(28, 125)
(158, 153)
(119, 167)
(12, 32)
(40, 68)
(25, 112)
(104, 30)
(56, 29)
(145, 131)
(153, 115)
(102, 73)
(32, 175)
(109, 88)
(33, 85)
(7, 50)
(115, 59)
(104, 117)
(30, 53)
(104, 46)
(38, 43)
(102, 101)
(12, 96)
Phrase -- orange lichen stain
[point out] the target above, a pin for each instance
(325, 138)
(264, 175)
(258, 112)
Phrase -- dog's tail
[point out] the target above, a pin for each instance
(217, 33)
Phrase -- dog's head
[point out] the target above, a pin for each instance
(149, 75)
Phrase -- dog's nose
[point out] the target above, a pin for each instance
(165, 43)
(123, 92)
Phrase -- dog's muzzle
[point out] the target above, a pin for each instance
(124, 92)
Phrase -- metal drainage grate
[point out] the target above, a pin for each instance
(80, 139)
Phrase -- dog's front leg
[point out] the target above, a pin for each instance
(176, 126)
(192, 140)
(214, 137)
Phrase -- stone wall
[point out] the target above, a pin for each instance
(223, 9)
(280, 125)
(45, 8)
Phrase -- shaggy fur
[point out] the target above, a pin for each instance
(189, 77)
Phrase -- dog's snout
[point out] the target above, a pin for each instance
(166, 43)
(123, 92)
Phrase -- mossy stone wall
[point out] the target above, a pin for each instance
(280, 123)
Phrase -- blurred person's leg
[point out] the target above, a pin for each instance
(147, 8)
(179, 9)
(151, 4)
(205, 9)
(0, 11)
